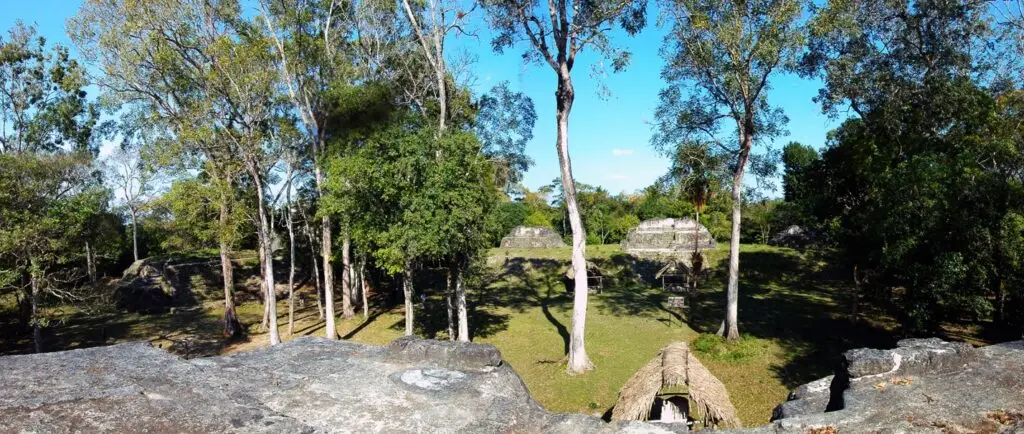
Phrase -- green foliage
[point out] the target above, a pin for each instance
(411, 196)
(796, 161)
(539, 219)
(504, 125)
(50, 207)
(43, 106)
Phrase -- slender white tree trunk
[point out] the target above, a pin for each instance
(346, 279)
(268, 266)
(449, 297)
(265, 323)
(578, 361)
(407, 290)
(325, 246)
(291, 258)
(135, 236)
(730, 327)
(460, 305)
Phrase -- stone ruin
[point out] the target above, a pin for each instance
(795, 237)
(531, 237)
(313, 385)
(152, 286)
(667, 238)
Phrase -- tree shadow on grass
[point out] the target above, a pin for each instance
(802, 308)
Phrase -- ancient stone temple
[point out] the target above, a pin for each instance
(529, 237)
(667, 237)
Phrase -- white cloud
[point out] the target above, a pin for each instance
(619, 177)
(619, 152)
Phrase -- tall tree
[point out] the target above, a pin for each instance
(556, 32)
(721, 56)
(157, 58)
(309, 39)
(49, 195)
(431, 23)
(132, 179)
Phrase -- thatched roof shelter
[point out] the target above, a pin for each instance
(676, 366)
(672, 267)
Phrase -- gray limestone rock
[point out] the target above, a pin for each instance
(923, 385)
(306, 385)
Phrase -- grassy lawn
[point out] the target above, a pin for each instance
(793, 315)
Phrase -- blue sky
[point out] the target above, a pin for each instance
(608, 137)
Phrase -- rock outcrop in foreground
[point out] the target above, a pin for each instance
(924, 385)
(316, 385)
(307, 385)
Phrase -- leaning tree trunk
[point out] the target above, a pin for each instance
(268, 251)
(460, 304)
(407, 291)
(232, 328)
(346, 279)
(578, 360)
(730, 326)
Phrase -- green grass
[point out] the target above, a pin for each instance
(792, 316)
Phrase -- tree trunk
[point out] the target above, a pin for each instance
(450, 302)
(407, 290)
(90, 265)
(325, 247)
(135, 236)
(578, 360)
(730, 327)
(291, 260)
(265, 323)
(232, 328)
(364, 286)
(316, 266)
(346, 279)
(268, 251)
(37, 331)
(460, 305)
